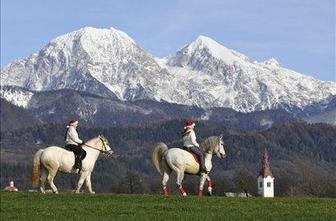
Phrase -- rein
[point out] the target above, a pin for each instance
(102, 151)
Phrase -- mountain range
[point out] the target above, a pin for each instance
(100, 74)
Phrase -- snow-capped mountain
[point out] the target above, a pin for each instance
(214, 75)
(105, 62)
(108, 63)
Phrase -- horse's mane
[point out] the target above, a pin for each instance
(97, 138)
(92, 140)
(210, 144)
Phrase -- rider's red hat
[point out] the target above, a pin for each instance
(73, 122)
(189, 123)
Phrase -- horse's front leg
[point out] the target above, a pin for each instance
(81, 181)
(201, 185)
(209, 185)
(88, 183)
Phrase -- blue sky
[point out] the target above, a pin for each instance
(299, 34)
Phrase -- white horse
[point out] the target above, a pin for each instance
(48, 161)
(182, 162)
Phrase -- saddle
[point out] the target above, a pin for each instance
(70, 150)
(196, 157)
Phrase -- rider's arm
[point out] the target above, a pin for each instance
(74, 136)
(193, 139)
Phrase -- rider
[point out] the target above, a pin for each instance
(74, 144)
(190, 143)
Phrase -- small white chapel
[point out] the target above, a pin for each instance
(266, 178)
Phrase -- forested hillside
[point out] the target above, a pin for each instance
(303, 157)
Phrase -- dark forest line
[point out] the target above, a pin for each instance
(303, 157)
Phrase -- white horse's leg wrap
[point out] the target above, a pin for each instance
(209, 185)
(164, 184)
(182, 191)
(180, 176)
(201, 185)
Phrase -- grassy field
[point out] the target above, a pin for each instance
(34, 206)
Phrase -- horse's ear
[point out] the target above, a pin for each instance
(220, 136)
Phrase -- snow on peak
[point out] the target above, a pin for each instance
(204, 47)
(91, 32)
(272, 62)
(215, 49)
(99, 44)
(206, 41)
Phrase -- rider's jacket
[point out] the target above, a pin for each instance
(189, 138)
(71, 136)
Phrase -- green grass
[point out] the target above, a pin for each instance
(35, 206)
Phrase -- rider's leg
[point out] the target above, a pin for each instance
(75, 149)
(164, 183)
(81, 155)
(201, 156)
(78, 161)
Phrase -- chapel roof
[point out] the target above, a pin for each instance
(266, 169)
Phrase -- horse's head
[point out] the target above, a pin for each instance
(105, 148)
(214, 145)
(220, 150)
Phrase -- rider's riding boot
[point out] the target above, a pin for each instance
(77, 163)
(79, 166)
(202, 164)
(203, 169)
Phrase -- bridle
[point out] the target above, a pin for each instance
(104, 150)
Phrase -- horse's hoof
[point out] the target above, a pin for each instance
(93, 192)
(199, 193)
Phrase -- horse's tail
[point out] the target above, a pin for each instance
(36, 169)
(158, 152)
